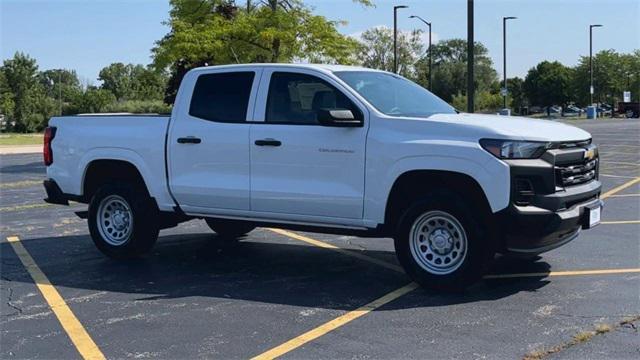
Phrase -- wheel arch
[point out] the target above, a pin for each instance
(415, 183)
(100, 171)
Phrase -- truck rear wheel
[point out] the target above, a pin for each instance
(441, 244)
(122, 221)
(230, 230)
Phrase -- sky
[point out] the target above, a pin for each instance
(88, 35)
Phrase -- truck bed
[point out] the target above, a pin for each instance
(139, 139)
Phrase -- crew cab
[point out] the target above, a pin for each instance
(334, 149)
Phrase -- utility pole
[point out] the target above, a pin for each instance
(395, 36)
(60, 90)
(591, 91)
(504, 56)
(429, 49)
(470, 58)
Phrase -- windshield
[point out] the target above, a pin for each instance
(394, 95)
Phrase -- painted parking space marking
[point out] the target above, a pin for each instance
(622, 222)
(335, 323)
(20, 184)
(355, 314)
(617, 176)
(352, 253)
(72, 326)
(620, 188)
(24, 207)
(564, 273)
(623, 195)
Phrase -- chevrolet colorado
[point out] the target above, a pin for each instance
(331, 149)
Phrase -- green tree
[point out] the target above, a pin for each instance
(61, 82)
(516, 98)
(613, 73)
(132, 82)
(450, 70)
(23, 95)
(377, 50)
(94, 100)
(216, 32)
(549, 83)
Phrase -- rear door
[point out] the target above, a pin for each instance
(209, 163)
(299, 167)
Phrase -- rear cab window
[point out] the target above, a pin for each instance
(222, 97)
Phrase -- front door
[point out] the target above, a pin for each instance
(297, 165)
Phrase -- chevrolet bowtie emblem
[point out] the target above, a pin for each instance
(589, 154)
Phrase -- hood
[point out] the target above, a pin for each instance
(515, 127)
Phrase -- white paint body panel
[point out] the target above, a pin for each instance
(228, 176)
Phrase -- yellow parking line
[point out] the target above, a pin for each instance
(20, 184)
(351, 253)
(618, 176)
(355, 314)
(79, 336)
(624, 195)
(620, 188)
(335, 323)
(564, 273)
(620, 222)
(24, 207)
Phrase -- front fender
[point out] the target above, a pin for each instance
(491, 174)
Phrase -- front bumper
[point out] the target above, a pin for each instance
(545, 212)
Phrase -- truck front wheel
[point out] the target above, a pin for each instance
(122, 221)
(441, 243)
(230, 230)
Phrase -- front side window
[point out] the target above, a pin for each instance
(393, 95)
(296, 99)
(222, 97)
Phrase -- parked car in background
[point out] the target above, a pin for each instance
(571, 110)
(629, 109)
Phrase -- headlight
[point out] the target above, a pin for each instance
(510, 149)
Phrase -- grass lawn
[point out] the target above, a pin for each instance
(20, 139)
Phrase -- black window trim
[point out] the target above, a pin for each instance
(292, 71)
(255, 82)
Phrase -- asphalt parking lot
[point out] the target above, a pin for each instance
(303, 295)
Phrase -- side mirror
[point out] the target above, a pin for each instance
(338, 118)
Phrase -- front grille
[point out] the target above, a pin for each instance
(576, 173)
(574, 144)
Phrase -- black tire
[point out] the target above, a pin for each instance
(144, 231)
(230, 230)
(473, 262)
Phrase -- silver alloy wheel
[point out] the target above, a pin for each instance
(115, 220)
(438, 242)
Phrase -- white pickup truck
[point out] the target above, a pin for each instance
(332, 149)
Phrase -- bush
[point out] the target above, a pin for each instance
(139, 107)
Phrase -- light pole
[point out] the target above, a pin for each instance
(470, 59)
(60, 90)
(429, 49)
(591, 60)
(395, 36)
(504, 56)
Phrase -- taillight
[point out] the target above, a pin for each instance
(47, 152)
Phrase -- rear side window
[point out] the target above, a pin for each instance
(222, 97)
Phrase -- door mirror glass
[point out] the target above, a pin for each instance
(338, 118)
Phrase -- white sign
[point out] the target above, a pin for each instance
(591, 90)
(626, 96)
(503, 91)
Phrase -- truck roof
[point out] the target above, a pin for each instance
(321, 67)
